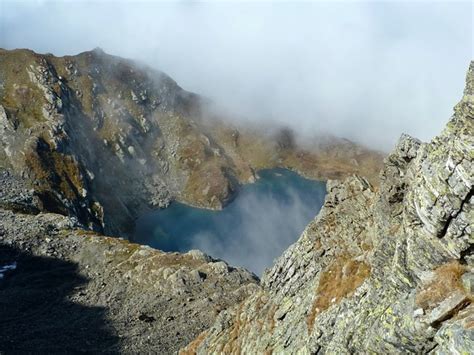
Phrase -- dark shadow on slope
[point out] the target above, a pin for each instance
(36, 314)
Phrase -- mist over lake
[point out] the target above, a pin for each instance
(256, 227)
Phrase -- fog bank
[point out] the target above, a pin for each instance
(367, 71)
(255, 228)
(266, 227)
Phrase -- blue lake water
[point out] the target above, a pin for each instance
(255, 228)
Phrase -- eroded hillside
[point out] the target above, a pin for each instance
(72, 290)
(103, 139)
(384, 270)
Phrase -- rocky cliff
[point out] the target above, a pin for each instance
(103, 139)
(90, 141)
(379, 270)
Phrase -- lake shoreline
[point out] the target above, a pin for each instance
(235, 233)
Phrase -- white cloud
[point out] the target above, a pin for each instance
(364, 70)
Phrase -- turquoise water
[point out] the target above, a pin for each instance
(255, 228)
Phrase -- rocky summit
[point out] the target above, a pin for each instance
(379, 270)
(105, 139)
(91, 141)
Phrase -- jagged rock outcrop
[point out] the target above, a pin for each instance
(104, 139)
(72, 290)
(90, 141)
(386, 270)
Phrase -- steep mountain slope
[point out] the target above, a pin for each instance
(103, 139)
(73, 291)
(387, 270)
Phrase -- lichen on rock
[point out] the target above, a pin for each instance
(384, 270)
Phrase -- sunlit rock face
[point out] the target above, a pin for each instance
(386, 270)
(104, 139)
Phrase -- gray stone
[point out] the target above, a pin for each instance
(467, 280)
(448, 307)
(359, 269)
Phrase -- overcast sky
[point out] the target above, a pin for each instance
(367, 71)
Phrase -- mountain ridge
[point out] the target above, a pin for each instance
(105, 140)
(388, 270)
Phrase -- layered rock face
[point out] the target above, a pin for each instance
(379, 270)
(103, 139)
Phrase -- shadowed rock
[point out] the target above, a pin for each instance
(37, 313)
